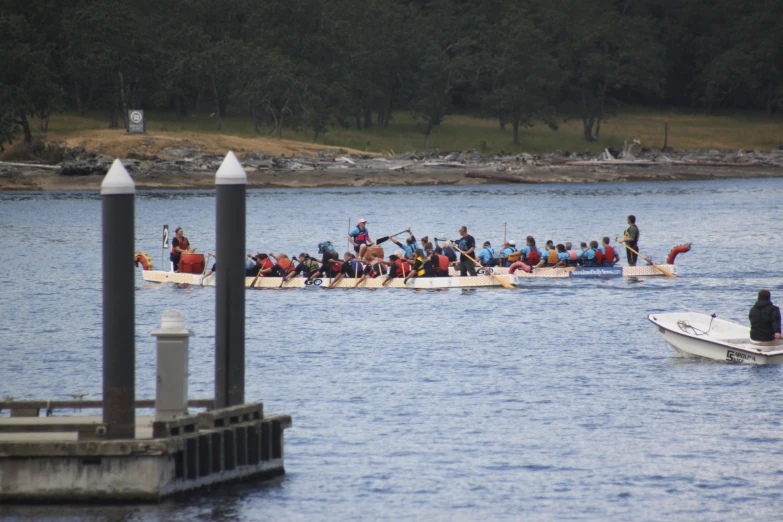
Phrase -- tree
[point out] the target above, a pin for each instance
(604, 48)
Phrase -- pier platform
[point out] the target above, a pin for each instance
(67, 458)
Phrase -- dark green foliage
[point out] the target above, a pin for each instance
(313, 64)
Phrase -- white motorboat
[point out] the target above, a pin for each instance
(707, 336)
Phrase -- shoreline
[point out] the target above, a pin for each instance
(191, 169)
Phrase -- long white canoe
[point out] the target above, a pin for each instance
(704, 335)
(480, 280)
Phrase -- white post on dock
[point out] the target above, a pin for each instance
(118, 193)
(171, 390)
(231, 189)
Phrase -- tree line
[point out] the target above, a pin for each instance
(309, 65)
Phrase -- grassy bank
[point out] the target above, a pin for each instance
(686, 131)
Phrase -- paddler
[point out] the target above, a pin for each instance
(351, 267)
(440, 265)
(468, 247)
(610, 255)
(533, 256)
(398, 267)
(573, 255)
(631, 239)
(562, 256)
(283, 265)
(308, 267)
(410, 246)
(360, 237)
(449, 252)
(422, 266)
(373, 267)
(590, 256)
(509, 252)
(487, 255)
(179, 245)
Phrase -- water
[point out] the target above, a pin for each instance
(557, 400)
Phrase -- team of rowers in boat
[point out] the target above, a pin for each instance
(414, 259)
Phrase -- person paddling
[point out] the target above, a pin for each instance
(610, 255)
(410, 246)
(422, 266)
(398, 267)
(373, 267)
(308, 267)
(631, 239)
(487, 255)
(351, 267)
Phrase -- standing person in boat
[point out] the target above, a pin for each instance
(610, 255)
(179, 245)
(487, 255)
(631, 239)
(410, 246)
(468, 246)
(764, 320)
(360, 237)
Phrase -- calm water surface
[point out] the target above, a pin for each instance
(554, 401)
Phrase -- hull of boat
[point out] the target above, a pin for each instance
(423, 283)
(579, 271)
(704, 336)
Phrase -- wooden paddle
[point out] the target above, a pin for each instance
(258, 274)
(503, 282)
(660, 268)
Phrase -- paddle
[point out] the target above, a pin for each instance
(503, 282)
(285, 276)
(258, 274)
(386, 238)
(660, 268)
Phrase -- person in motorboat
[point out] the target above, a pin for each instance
(179, 245)
(410, 246)
(764, 321)
(609, 253)
(487, 255)
(360, 237)
(631, 239)
(467, 244)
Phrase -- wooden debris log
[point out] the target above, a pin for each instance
(499, 177)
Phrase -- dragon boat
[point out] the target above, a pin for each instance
(509, 275)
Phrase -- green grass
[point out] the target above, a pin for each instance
(687, 130)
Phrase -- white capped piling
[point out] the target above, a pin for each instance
(171, 390)
(119, 305)
(231, 189)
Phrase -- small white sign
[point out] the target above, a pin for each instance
(165, 236)
(136, 123)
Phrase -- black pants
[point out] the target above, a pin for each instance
(632, 255)
(466, 267)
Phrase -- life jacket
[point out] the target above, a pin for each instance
(286, 264)
(573, 255)
(401, 268)
(609, 254)
(443, 264)
(589, 259)
(183, 244)
(324, 247)
(533, 257)
(513, 256)
(376, 269)
(552, 259)
(420, 271)
(353, 267)
(311, 265)
(599, 256)
(336, 265)
(362, 237)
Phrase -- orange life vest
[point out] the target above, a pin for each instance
(183, 244)
(552, 257)
(443, 264)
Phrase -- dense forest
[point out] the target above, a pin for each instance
(314, 64)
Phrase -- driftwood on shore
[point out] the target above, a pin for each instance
(29, 165)
(498, 177)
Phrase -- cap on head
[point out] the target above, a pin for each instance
(512, 243)
(362, 221)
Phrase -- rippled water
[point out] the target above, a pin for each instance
(557, 400)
